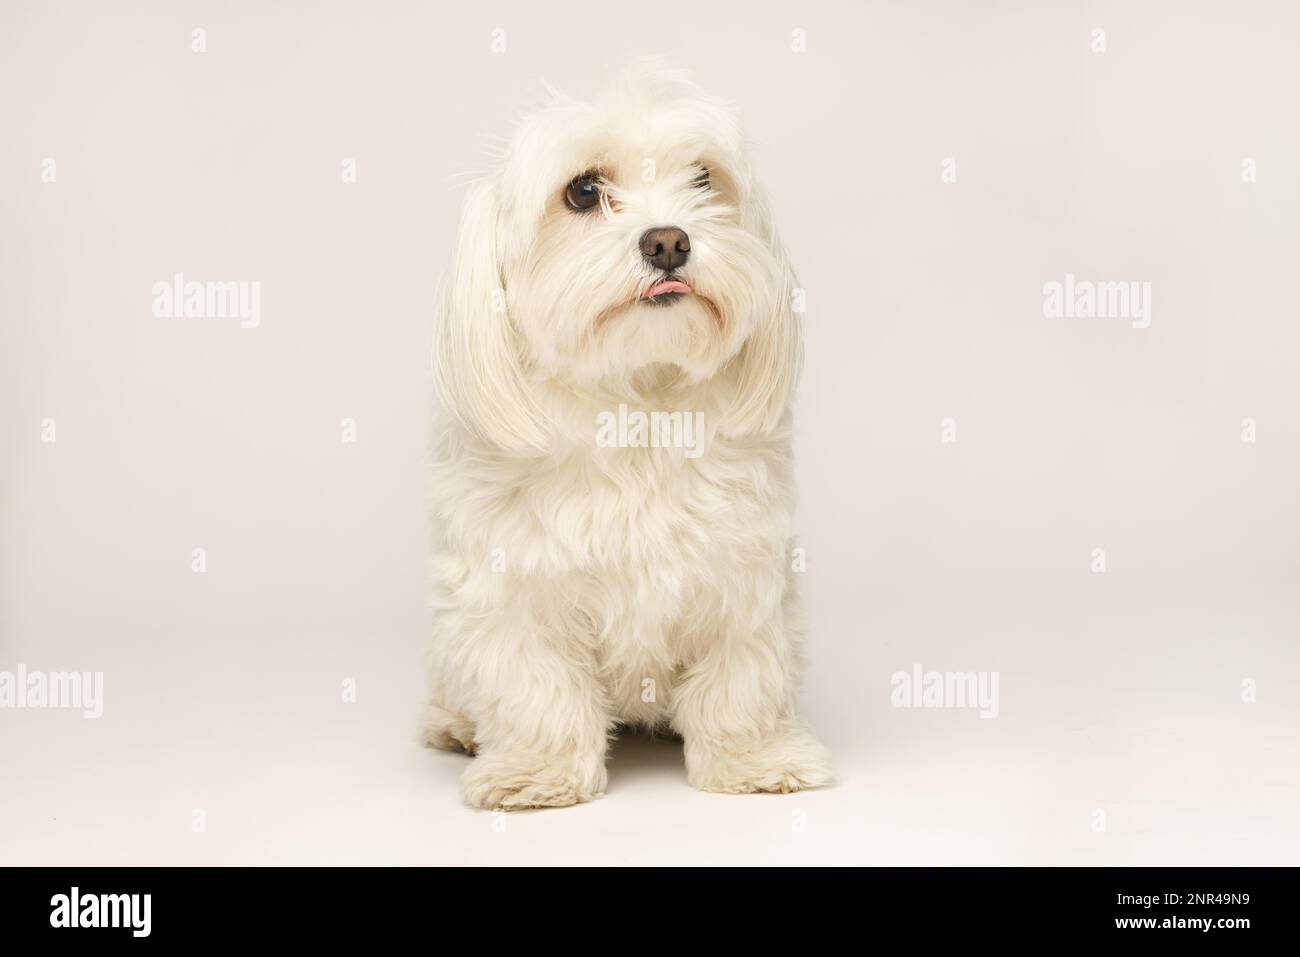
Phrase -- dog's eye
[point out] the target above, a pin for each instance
(701, 181)
(583, 192)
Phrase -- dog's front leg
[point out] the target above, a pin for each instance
(735, 712)
(540, 721)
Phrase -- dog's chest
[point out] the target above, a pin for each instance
(655, 513)
(652, 536)
(670, 546)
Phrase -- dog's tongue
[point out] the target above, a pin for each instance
(667, 286)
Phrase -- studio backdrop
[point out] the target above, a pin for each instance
(1047, 435)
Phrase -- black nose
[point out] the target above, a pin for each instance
(667, 248)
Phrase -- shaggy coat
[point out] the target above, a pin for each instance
(582, 584)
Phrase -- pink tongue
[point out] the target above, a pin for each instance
(671, 285)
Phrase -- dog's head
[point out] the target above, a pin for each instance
(614, 237)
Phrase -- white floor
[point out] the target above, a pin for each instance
(278, 781)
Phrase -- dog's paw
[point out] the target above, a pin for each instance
(446, 730)
(792, 760)
(515, 780)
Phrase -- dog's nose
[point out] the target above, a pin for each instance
(667, 248)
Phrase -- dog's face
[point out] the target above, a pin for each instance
(630, 242)
(620, 235)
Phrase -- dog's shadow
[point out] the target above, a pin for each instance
(636, 754)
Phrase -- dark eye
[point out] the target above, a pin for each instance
(702, 181)
(583, 192)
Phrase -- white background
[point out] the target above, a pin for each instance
(1120, 692)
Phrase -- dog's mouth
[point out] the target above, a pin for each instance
(661, 293)
(665, 291)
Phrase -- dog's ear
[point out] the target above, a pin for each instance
(766, 370)
(478, 364)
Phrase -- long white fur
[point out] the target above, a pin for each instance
(579, 588)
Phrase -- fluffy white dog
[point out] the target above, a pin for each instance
(617, 344)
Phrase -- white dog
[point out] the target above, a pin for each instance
(618, 267)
